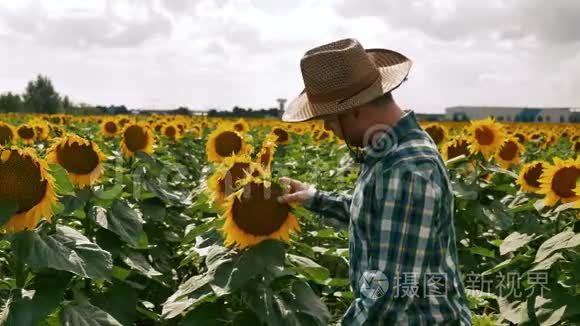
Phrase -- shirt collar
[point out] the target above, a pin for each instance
(383, 139)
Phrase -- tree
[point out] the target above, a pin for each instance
(182, 110)
(40, 96)
(66, 103)
(10, 102)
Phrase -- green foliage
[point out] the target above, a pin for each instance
(10, 103)
(41, 97)
(144, 246)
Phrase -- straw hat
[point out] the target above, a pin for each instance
(342, 75)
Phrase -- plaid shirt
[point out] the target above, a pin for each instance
(403, 255)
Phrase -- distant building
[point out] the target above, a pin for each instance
(575, 115)
(512, 114)
(430, 117)
(281, 104)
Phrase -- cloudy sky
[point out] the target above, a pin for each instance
(220, 53)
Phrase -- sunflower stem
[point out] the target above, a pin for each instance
(20, 273)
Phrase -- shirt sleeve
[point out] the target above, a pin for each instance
(401, 235)
(330, 204)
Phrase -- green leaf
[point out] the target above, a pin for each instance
(120, 273)
(111, 193)
(62, 183)
(189, 293)
(499, 170)
(499, 215)
(505, 188)
(144, 156)
(200, 229)
(235, 273)
(207, 314)
(165, 195)
(74, 202)
(304, 300)
(557, 306)
(153, 209)
(310, 269)
(120, 301)
(298, 305)
(85, 314)
(262, 302)
(567, 206)
(66, 250)
(7, 209)
(528, 206)
(304, 249)
(46, 293)
(482, 252)
(514, 241)
(109, 241)
(5, 244)
(138, 262)
(508, 263)
(121, 219)
(562, 240)
(515, 311)
(548, 262)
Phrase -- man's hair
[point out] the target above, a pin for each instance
(382, 100)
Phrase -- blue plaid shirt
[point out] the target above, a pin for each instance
(403, 255)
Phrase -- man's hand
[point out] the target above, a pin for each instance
(296, 191)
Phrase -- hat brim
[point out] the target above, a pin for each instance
(393, 68)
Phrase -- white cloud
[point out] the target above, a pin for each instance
(210, 53)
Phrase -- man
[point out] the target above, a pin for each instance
(402, 250)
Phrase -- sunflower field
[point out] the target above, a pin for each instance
(173, 220)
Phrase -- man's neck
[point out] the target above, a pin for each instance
(391, 115)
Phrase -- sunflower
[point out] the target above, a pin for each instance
(509, 153)
(575, 145)
(57, 131)
(42, 130)
(537, 136)
(109, 128)
(559, 181)
(241, 126)
(7, 134)
(283, 137)
(551, 139)
(56, 119)
(322, 135)
(27, 133)
(196, 130)
(171, 131)
(455, 147)
(158, 127)
(81, 158)
(521, 137)
(25, 181)
(225, 179)
(485, 136)
(137, 138)
(298, 128)
(437, 132)
(124, 121)
(224, 142)
(266, 154)
(253, 214)
(315, 133)
(530, 174)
